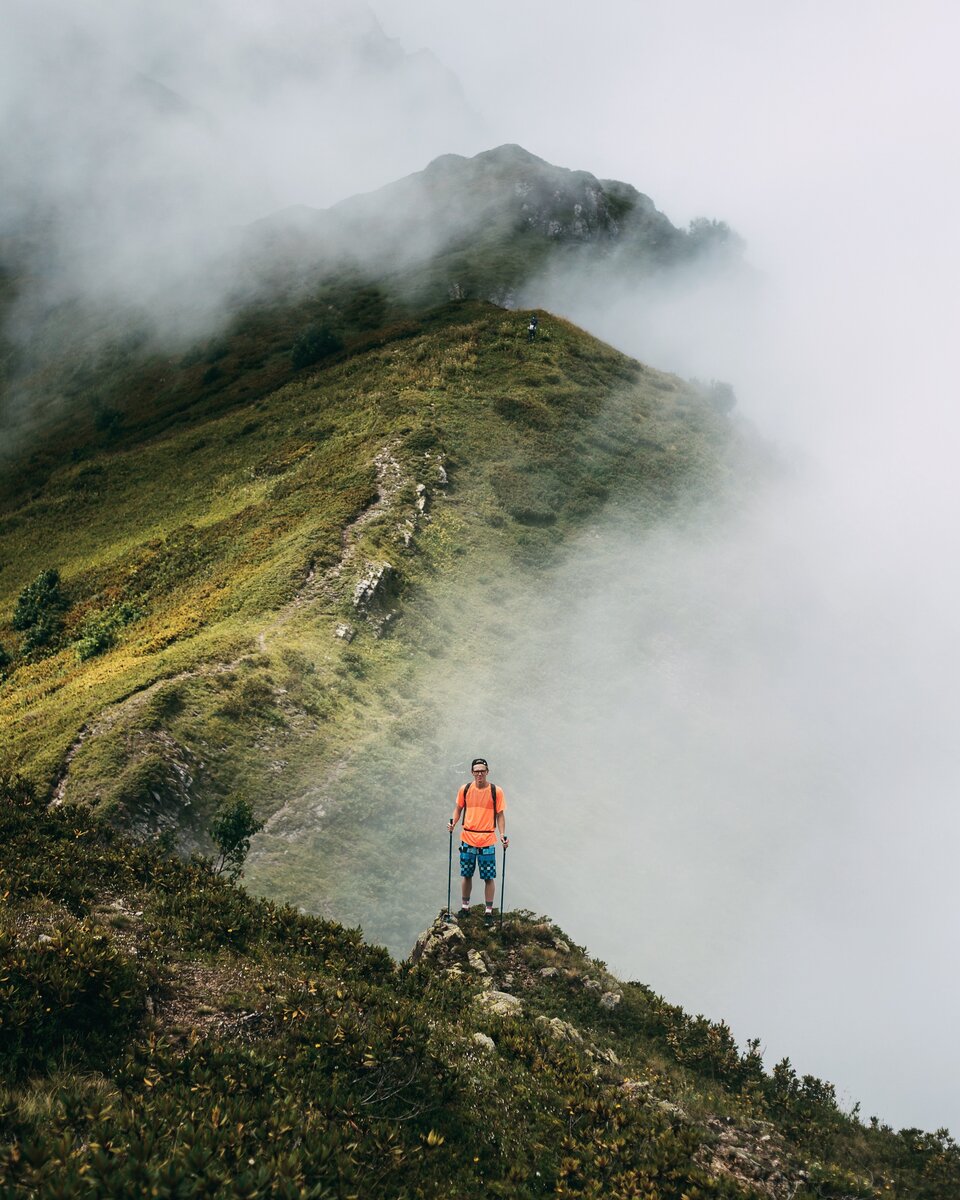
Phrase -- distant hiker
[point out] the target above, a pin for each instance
(482, 806)
(532, 327)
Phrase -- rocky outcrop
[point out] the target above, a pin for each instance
(750, 1154)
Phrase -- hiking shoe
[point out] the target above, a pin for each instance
(489, 914)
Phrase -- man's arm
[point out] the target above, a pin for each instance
(502, 823)
(457, 814)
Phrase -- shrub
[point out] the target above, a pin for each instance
(232, 829)
(70, 991)
(39, 611)
(39, 598)
(100, 630)
(314, 344)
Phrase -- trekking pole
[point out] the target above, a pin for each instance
(449, 873)
(503, 884)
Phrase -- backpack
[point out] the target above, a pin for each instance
(463, 797)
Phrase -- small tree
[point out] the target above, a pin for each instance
(232, 828)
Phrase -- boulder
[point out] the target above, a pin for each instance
(563, 1031)
(440, 937)
(501, 1003)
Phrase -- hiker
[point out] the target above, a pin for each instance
(532, 327)
(481, 805)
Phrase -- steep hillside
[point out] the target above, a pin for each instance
(163, 1034)
(493, 227)
(251, 599)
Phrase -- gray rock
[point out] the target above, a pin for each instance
(345, 632)
(563, 1031)
(561, 945)
(501, 1003)
(439, 937)
(610, 1000)
(593, 985)
(549, 972)
(370, 583)
(473, 957)
(485, 1043)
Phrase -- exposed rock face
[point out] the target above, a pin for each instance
(371, 584)
(435, 942)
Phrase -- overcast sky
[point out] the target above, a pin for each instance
(800, 704)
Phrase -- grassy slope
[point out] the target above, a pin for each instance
(209, 529)
(163, 1034)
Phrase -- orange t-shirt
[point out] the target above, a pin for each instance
(478, 820)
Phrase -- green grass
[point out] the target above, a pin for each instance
(163, 1033)
(178, 549)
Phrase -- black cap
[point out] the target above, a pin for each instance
(479, 762)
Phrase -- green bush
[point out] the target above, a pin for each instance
(100, 630)
(39, 612)
(313, 345)
(70, 992)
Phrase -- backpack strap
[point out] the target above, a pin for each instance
(493, 796)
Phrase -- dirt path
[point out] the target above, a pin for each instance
(318, 589)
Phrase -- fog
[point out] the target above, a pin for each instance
(733, 772)
(136, 140)
(743, 790)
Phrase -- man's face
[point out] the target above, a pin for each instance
(479, 775)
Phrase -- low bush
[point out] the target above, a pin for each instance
(39, 612)
(313, 345)
(99, 631)
(70, 993)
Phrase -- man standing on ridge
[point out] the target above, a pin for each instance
(482, 806)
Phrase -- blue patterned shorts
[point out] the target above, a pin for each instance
(483, 856)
